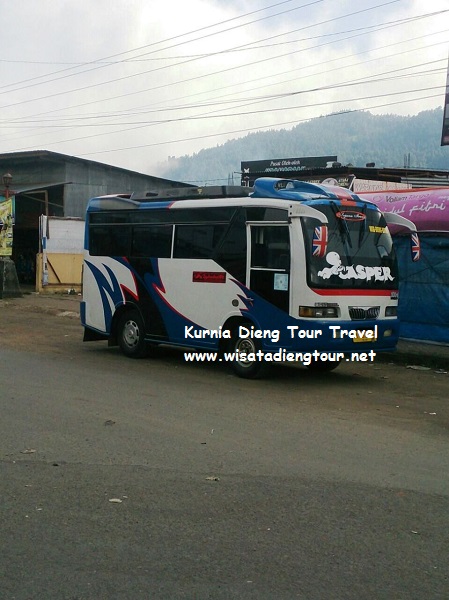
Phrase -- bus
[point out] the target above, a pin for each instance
(285, 270)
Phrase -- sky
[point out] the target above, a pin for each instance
(134, 83)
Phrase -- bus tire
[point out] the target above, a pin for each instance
(131, 334)
(322, 366)
(247, 369)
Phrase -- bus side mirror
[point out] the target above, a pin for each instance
(415, 246)
(319, 242)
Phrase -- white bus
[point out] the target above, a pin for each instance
(287, 268)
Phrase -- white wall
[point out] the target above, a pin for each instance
(65, 235)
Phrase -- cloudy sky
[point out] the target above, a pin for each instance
(132, 82)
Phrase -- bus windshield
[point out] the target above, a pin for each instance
(359, 254)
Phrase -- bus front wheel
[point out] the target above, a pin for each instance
(131, 335)
(245, 362)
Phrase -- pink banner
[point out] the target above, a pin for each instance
(427, 208)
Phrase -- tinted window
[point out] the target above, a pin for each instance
(110, 240)
(221, 214)
(270, 247)
(231, 252)
(152, 240)
(266, 214)
(197, 241)
(118, 216)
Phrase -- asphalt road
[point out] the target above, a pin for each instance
(156, 479)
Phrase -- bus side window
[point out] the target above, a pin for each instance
(231, 251)
(278, 256)
(259, 256)
(197, 241)
(152, 241)
(270, 247)
(110, 240)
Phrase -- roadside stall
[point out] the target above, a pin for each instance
(424, 285)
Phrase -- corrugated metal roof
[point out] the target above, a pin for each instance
(30, 155)
(426, 182)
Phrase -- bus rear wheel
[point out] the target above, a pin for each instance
(246, 363)
(131, 335)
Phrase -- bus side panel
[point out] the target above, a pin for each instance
(106, 281)
(177, 297)
(172, 295)
(193, 293)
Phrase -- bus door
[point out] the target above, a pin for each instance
(268, 272)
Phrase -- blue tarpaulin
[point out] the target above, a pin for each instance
(424, 288)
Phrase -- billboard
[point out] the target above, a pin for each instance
(371, 185)
(428, 208)
(339, 180)
(279, 167)
(6, 225)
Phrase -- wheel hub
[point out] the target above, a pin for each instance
(131, 333)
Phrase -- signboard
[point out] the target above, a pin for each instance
(341, 181)
(370, 185)
(6, 225)
(276, 167)
(427, 208)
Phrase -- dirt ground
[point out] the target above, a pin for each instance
(414, 382)
(35, 323)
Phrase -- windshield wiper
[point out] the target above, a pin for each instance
(343, 226)
(362, 226)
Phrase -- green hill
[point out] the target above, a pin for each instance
(356, 138)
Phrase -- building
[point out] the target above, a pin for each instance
(53, 184)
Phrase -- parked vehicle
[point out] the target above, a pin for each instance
(286, 266)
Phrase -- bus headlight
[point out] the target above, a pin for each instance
(318, 312)
(391, 311)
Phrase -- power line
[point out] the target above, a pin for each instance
(236, 102)
(250, 46)
(161, 42)
(133, 93)
(250, 102)
(258, 100)
(127, 77)
(271, 126)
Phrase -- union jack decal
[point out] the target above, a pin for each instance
(415, 246)
(319, 243)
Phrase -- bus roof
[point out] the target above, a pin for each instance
(191, 193)
(266, 191)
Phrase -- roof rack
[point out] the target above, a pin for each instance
(294, 189)
(193, 193)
